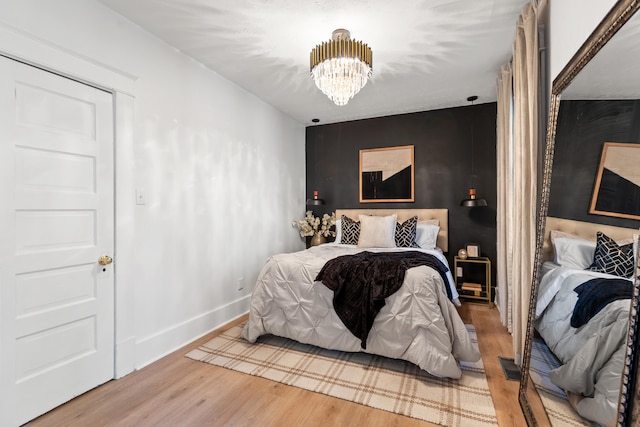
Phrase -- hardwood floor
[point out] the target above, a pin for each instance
(176, 391)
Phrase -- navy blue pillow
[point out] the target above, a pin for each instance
(350, 231)
(611, 258)
(406, 233)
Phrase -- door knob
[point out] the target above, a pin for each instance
(105, 260)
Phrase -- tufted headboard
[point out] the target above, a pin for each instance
(441, 215)
(586, 230)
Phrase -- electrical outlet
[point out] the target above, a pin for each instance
(240, 283)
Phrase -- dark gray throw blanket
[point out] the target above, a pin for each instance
(361, 282)
(595, 294)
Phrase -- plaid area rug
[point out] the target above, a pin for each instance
(554, 399)
(388, 384)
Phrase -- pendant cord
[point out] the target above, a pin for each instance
(471, 99)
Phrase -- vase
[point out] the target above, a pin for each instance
(317, 239)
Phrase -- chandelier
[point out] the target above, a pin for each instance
(341, 66)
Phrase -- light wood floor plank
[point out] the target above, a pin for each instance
(176, 391)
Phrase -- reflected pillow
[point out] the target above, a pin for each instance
(611, 258)
(573, 252)
(554, 234)
(427, 235)
(406, 233)
(377, 231)
(350, 231)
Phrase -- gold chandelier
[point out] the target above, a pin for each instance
(341, 66)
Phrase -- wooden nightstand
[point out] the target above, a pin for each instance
(473, 278)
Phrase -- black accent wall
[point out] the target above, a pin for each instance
(454, 149)
(583, 128)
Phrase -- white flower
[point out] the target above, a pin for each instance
(311, 225)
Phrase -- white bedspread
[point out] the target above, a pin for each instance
(592, 355)
(418, 323)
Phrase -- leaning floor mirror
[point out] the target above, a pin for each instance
(580, 359)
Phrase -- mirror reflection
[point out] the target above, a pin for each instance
(585, 283)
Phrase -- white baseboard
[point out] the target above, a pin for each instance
(125, 357)
(155, 347)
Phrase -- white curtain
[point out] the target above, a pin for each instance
(517, 157)
(505, 220)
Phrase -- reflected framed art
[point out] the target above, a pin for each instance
(617, 188)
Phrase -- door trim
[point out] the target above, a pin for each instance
(21, 46)
(18, 45)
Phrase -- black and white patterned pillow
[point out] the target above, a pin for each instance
(350, 231)
(406, 233)
(611, 258)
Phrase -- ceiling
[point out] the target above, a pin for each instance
(613, 72)
(427, 54)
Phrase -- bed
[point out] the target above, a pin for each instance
(418, 322)
(583, 315)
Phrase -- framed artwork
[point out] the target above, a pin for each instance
(617, 188)
(473, 250)
(387, 174)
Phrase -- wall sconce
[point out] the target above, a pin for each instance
(315, 201)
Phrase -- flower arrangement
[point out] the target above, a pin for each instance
(312, 225)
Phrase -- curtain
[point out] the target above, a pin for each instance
(505, 223)
(517, 157)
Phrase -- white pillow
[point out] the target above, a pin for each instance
(338, 230)
(573, 252)
(427, 235)
(377, 231)
(555, 234)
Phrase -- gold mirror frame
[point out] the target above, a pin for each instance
(620, 13)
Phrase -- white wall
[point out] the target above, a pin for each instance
(223, 174)
(571, 22)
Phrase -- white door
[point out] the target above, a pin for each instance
(56, 220)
